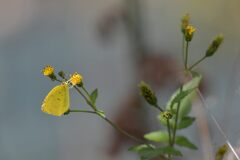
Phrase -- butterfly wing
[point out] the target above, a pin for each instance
(57, 101)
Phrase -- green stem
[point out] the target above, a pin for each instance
(86, 98)
(58, 80)
(168, 124)
(183, 49)
(84, 89)
(196, 63)
(111, 123)
(186, 56)
(159, 108)
(169, 132)
(103, 117)
(176, 119)
(82, 111)
(121, 130)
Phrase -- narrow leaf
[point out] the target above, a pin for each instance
(185, 122)
(184, 142)
(148, 154)
(140, 148)
(182, 95)
(170, 150)
(158, 136)
(186, 98)
(94, 96)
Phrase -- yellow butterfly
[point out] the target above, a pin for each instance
(56, 102)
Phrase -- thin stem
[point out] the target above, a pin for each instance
(58, 80)
(159, 108)
(196, 63)
(121, 130)
(111, 123)
(176, 119)
(86, 99)
(186, 56)
(84, 89)
(82, 111)
(183, 49)
(105, 118)
(169, 132)
(80, 92)
(168, 124)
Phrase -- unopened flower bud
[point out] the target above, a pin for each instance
(61, 74)
(214, 45)
(185, 22)
(167, 115)
(147, 93)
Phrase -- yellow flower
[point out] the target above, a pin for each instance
(189, 30)
(76, 78)
(48, 70)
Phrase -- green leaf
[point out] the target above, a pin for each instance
(160, 151)
(147, 152)
(94, 96)
(144, 150)
(184, 142)
(169, 150)
(140, 148)
(185, 122)
(186, 98)
(182, 95)
(158, 136)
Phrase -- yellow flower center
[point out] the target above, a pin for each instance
(48, 70)
(190, 30)
(76, 78)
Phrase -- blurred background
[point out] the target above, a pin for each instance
(114, 44)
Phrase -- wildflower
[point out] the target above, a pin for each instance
(189, 30)
(147, 93)
(185, 22)
(76, 79)
(48, 71)
(214, 45)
